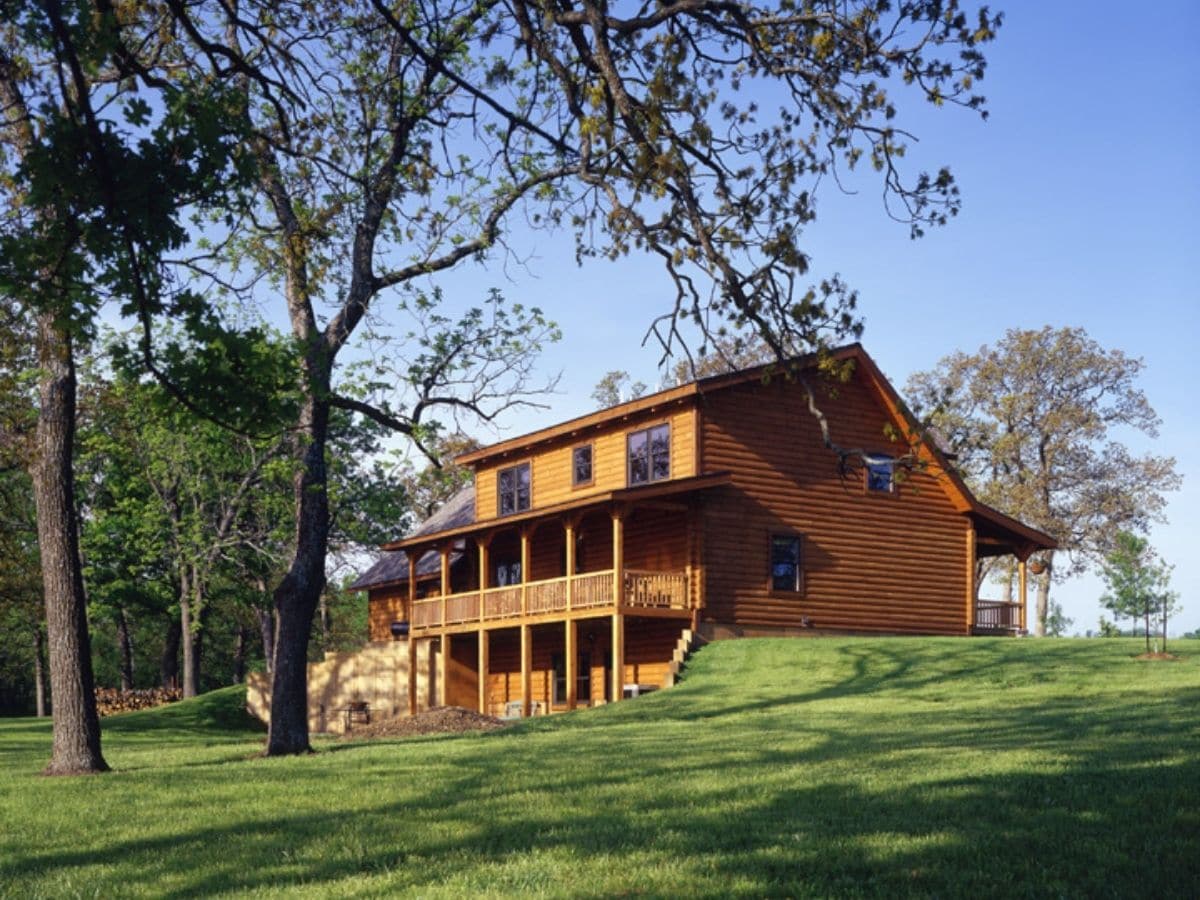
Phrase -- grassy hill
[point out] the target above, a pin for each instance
(832, 767)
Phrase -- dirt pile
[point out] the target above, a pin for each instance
(440, 720)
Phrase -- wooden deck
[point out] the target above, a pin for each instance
(588, 594)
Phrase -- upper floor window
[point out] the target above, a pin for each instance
(513, 490)
(581, 465)
(650, 455)
(880, 474)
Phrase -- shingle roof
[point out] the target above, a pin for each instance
(392, 565)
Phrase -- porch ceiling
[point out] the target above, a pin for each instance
(638, 494)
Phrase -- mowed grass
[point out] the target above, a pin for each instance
(824, 767)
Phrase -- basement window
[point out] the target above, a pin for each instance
(513, 490)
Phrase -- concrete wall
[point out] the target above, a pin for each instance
(377, 674)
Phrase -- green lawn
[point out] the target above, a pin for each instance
(821, 767)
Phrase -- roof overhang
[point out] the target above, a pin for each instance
(622, 496)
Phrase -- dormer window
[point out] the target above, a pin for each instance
(512, 488)
(880, 472)
(650, 455)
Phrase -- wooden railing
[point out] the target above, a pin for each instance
(997, 615)
(502, 602)
(593, 590)
(657, 590)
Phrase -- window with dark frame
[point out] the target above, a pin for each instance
(650, 455)
(786, 572)
(880, 474)
(581, 465)
(512, 489)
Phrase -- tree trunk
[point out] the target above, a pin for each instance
(1043, 595)
(266, 629)
(125, 645)
(187, 638)
(239, 656)
(39, 671)
(169, 668)
(1147, 612)
(76, 745)
(297, 595)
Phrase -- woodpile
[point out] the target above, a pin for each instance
(110, 701)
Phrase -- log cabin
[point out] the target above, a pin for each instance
(587, 555)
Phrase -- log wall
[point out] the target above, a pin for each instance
(887, 562)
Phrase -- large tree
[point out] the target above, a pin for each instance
(1032, 421)
(92, 182)
(396, 141)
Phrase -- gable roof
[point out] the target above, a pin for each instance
(392, 565)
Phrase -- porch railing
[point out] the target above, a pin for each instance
(997, 615)
(656, 590)
(591, 590)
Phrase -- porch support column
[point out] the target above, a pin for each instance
(618, 557)
(444, 671)
(484, 541)
(526, 670)
(572, 655)
(970, 580)
(1022, 584)
(412, 642)
(444, 553)
(618, 657)
(483, 671)
(570, 537)
(524, 571)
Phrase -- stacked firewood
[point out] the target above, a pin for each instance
(110, 701)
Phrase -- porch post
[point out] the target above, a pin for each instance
(570, 534)
(970, 580)
(443, 670)
(412, 643)
(618, 557)
(526, 670)
(483, 541)
(1021, 587)
(572, 660)
(483, 671)
(618, 657)
(444, 552)
(524, 570)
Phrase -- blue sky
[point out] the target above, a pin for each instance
(1081, 203)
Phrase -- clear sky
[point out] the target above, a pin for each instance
(1081, 206)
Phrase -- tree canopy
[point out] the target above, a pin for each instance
(1035, 422)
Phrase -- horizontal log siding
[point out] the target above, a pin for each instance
(649, 644)
(656, 540)
(551, 469)
(385, 606)
(872, 562)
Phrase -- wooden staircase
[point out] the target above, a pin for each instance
(683, 649)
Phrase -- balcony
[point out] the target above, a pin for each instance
(645, 593)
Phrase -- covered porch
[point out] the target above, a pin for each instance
(567, 591)
(994, 535)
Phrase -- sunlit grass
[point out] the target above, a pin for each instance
(800, 767)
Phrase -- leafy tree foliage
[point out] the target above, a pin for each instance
(1031, 420)
(392, 142)
(1139, 584)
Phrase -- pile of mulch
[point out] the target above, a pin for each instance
(440, 720)
(1159, 655)
(110, 701)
